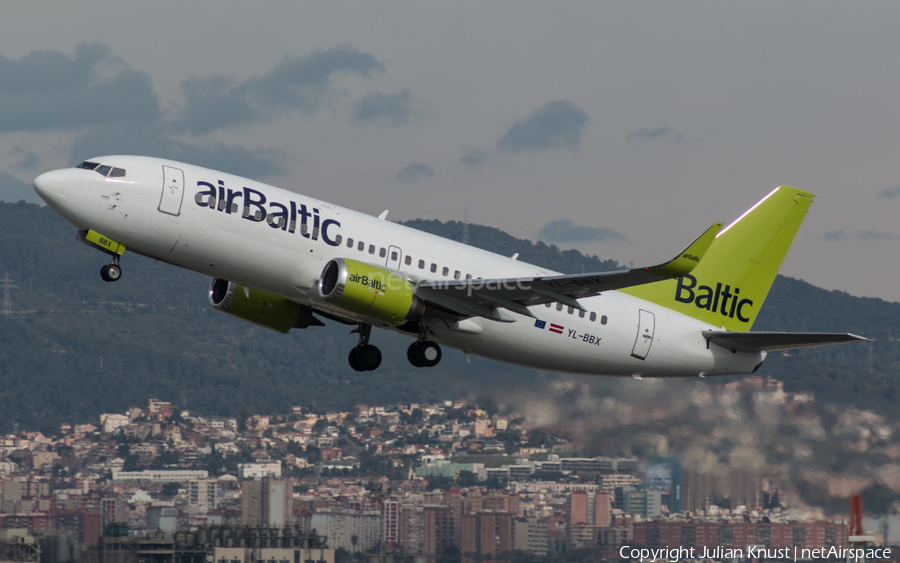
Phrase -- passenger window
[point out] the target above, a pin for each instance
(394, 255)
(361, 246)
(603, 320)
(456, 275)
(581, 313)
(468, 276)
(103, 170)
(371, 249)
(337, 239)
(382, 252)
(559, 306)
(408, 260)
(349, 243)
(445, 271)
(117, 173)
(433, 267)
(571, 310)
(547, 305)
(421, 264)
(315, 232)
(304, 230)
(593, 316)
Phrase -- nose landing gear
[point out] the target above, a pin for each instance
(111, 272)
(364, 356)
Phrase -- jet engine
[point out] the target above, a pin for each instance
(370, 291)
(259, 307)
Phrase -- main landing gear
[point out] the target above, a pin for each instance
(113, 271)
(364, 356)
(424, 354)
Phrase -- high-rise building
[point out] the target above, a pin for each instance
(202, 492)
(664, 475)
(531, 536)
(485, 535)
(437, 531)
(267, 503)
(391, 522)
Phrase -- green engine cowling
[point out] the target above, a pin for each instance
(371, 291)
(259, 307)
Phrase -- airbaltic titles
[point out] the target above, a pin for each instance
(278, 216)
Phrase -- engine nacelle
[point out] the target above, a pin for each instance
(259, 307)
(370, 291)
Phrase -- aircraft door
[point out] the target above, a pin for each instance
(646, 328)
(393, 257)
(172, 191)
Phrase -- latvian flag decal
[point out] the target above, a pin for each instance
(556, 328)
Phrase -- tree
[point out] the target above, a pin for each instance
(169, 490)
(450, 554)
(467, 478)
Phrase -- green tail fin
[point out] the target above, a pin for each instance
(729, 285)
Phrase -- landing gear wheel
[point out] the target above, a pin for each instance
(411, 355)
(111, 272)
(424, 354)
(353, 361)
(114, 272)
(369, 357)
(364, 356)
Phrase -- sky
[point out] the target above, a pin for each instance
(622, 129)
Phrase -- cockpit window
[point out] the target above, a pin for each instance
(102, 169)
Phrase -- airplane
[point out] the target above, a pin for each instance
(283, 260)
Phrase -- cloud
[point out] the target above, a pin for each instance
(473, 158)
(556, 125)
(13, 190)
(386, 109)
(26, 160)
(875, 235)
(661, 134)
(302, 83)
(890, 193)
(414, 172)
(48, 90)
(156, 141)
(565, 230)
(835, 235)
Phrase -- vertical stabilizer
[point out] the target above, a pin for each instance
(728, 287)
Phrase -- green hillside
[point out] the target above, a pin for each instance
(76, 346)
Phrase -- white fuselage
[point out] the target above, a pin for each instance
(160, 209)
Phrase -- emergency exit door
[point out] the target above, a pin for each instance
(646, 328)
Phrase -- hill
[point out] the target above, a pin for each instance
(74, 346)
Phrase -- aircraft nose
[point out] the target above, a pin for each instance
(52, 187)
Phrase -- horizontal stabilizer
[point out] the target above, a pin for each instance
(777, 341)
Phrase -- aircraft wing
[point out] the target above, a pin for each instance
(489, 298)
(777, 341)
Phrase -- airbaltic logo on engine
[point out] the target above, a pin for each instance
(721, 300)
(278, 215)
(377, 285)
